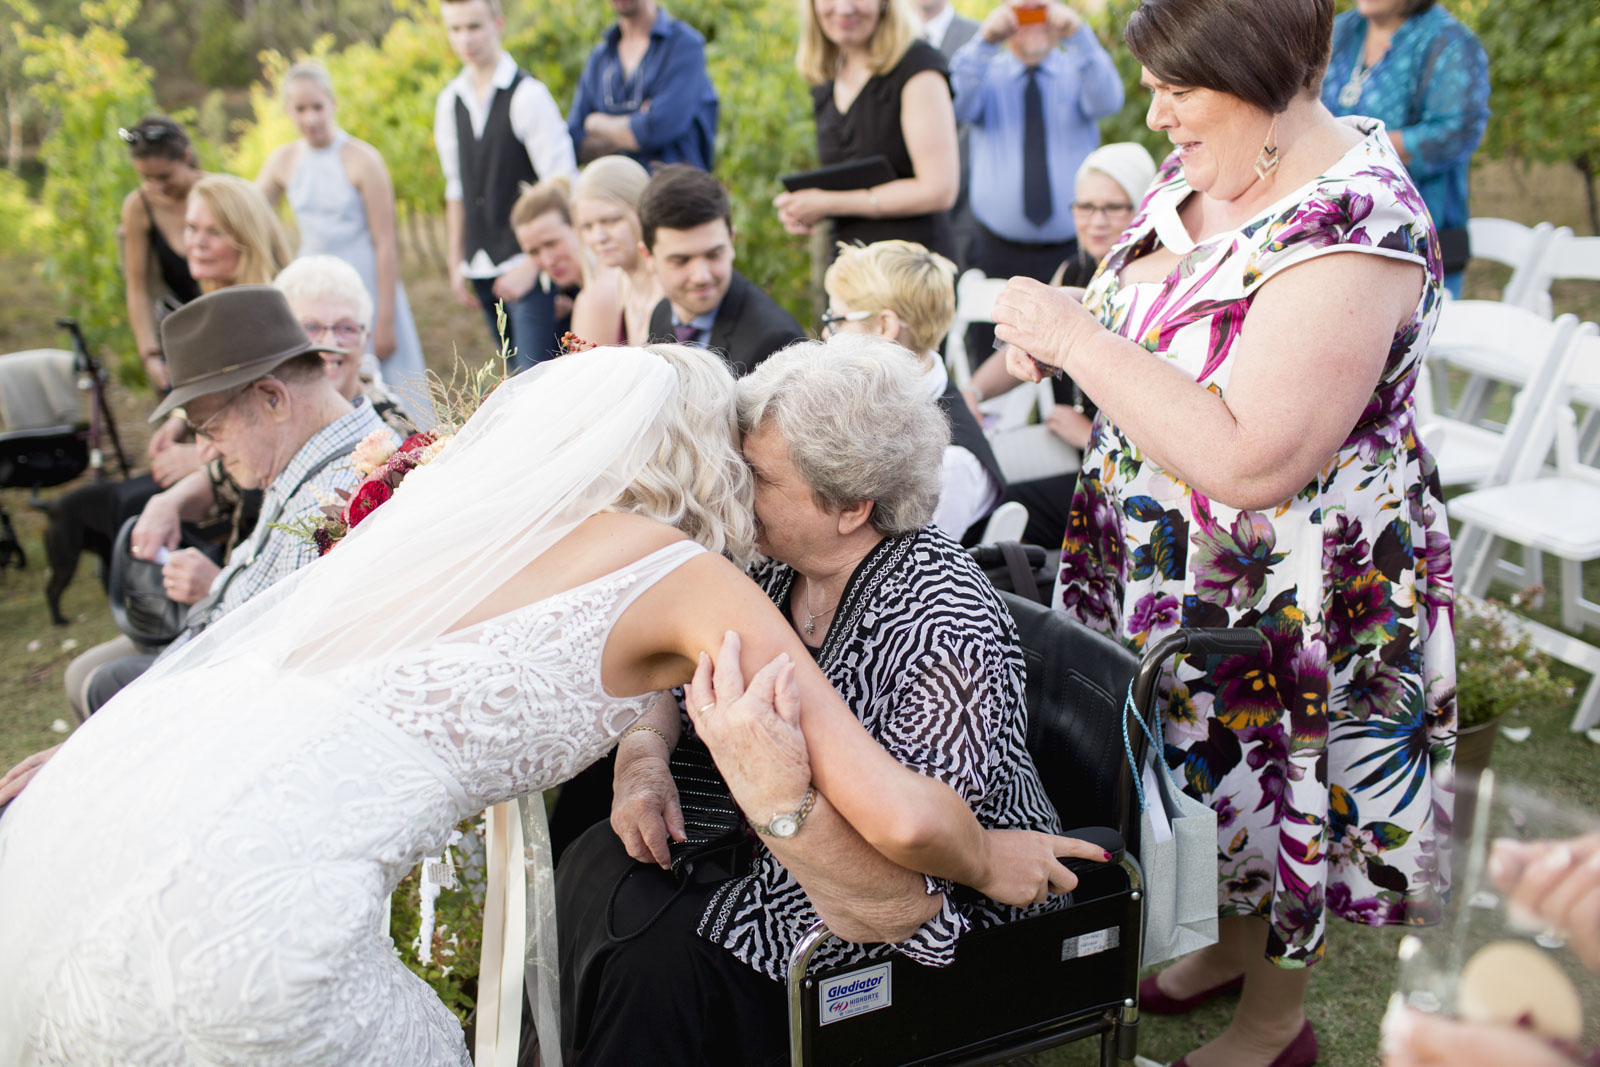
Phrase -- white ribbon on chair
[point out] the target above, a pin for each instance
(519, 936)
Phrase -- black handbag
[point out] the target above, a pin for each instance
(139, 602)
(1455, 248)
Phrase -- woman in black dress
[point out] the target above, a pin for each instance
(878, 89)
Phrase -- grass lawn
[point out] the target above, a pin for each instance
(1350, 987)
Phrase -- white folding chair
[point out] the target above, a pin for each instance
(1493, 344)
(1557, 514)
(1518, 247)
(1566, 257)
(1006, 524)
(975, 297)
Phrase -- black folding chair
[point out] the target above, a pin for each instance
(1047, 979)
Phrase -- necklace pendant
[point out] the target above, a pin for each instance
(811, 626)
(1350, 93)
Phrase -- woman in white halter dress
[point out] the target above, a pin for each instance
(338, 217)
(200, 873)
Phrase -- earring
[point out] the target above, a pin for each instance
(1267, 159)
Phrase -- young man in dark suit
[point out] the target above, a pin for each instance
(687, 230)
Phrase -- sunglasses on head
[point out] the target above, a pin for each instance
(142, 135)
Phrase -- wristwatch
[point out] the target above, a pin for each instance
(788, 824)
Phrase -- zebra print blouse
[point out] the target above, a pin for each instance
(926, 654)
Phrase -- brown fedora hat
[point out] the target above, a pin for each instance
(227, 339)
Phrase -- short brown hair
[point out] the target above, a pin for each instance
(1265, 52)
(552, 195)
(681, 197)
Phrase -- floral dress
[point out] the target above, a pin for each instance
(1326, 756)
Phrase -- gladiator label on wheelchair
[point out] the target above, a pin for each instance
(1090, 944)
(855, 993)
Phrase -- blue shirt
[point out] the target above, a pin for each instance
(702, 323)
(670, 97)
(1431, 87)
(1080, 85)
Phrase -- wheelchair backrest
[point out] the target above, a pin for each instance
(1076, 685)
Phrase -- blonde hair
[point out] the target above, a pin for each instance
(243, 214)
(552, 194)
(308, 70)
(919, 286)
(615, 178)
(818, 58)
(697, 481)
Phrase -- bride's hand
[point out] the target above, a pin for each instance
(1023, 865)
(753, 734)
(23, 773)
(1043, 321)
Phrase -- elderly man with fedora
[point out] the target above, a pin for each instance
(252, 387)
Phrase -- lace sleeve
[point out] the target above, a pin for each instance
(1455, 108)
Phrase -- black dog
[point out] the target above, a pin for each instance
(87, 519)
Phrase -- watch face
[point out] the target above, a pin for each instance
(784, 826)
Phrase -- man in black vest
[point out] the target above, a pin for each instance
(688, 232)
(496, 127)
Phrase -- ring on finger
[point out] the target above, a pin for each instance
(707, 706)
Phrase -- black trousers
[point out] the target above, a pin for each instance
(650, 989)
(1049, 502)
(999, 258)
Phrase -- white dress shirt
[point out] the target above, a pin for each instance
(935, 28)
(966, 492)
(535, 120)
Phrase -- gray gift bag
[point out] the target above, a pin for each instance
(1177, 853)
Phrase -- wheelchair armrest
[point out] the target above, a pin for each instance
(1104, 836)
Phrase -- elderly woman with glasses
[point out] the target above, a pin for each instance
(674, 907)
(903, 292)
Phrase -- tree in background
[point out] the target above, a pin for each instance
(1544, 83)
(87, 85)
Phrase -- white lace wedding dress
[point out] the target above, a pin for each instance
(215, 894)
(199, 875)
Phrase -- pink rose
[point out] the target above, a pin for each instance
(372, 452)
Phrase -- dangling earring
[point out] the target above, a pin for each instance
(1267, 160)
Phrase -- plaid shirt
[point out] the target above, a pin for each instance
(271, 553)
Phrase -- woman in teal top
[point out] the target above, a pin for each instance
(1412, 66)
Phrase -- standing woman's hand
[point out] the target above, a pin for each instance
(1040, 321)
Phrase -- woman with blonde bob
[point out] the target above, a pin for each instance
(501, 622)
(878, 89)
(231, 236)
(605, 211)
(901, 291)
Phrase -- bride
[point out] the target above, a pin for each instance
(200, 873)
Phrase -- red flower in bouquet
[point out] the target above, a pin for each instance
(420, 439)
(366, 501)
(394, 470)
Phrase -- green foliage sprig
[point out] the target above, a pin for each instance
(1497, 670)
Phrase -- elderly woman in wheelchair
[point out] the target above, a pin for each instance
(676, 920)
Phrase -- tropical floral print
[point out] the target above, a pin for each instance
(1326, 755)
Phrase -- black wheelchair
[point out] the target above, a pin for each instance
(1048, 979)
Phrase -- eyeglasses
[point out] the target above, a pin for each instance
(623, 97)
(346, 332)
(145, 135)
(831, 320)
(1109, 211)
(204, 429)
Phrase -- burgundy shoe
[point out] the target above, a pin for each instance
(1301, 1052)
(1152, 1001)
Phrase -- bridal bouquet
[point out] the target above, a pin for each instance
(383, 466)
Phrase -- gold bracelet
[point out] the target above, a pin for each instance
(652, 729)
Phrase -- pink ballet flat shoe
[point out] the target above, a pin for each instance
(1302, 1051)
(1152, 1001)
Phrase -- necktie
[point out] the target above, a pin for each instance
(686, 332)
(1036, 206)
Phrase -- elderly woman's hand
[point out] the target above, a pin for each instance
(753, 734)
(1041, 321)
(645, 811)
(1554, 883)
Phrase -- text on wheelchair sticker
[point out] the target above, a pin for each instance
(1089, 944)
(855, 993)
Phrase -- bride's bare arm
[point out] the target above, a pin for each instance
(916, 821)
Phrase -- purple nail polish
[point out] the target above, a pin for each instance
(1106, 856)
